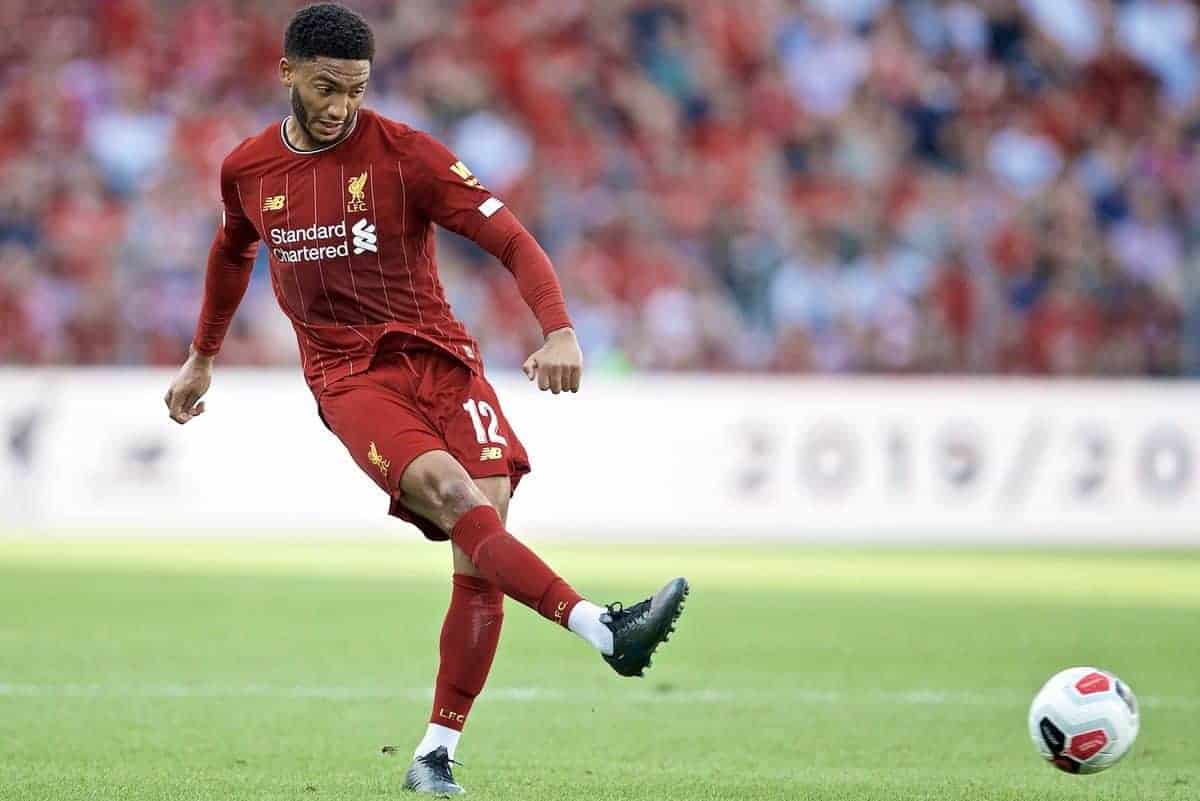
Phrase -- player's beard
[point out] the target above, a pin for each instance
(300, 114)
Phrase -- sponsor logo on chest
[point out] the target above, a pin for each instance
(317, 242)
(351, 235)
(364, 238)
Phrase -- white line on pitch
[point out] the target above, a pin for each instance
(924, 697)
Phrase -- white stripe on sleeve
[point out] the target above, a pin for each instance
(490, 206)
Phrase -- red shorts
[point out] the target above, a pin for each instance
(418, 401)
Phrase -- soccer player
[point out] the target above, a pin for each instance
(345, 201)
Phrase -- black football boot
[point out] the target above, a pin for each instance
(640, 629)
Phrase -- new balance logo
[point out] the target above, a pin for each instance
(274, 203)
(491, 454)
(364, 238)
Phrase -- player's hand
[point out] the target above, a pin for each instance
(558, 364)
(190, 384)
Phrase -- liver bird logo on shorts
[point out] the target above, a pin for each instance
(358, 188)
(376, 458)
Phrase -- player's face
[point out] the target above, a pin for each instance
(326, 94)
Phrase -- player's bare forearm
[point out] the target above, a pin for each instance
(188, 387)
(558, 364)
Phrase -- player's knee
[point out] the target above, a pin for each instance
(501, 505)
(454, 496)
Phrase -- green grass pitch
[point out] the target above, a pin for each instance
(257, 670)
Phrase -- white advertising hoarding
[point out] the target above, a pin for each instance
(879, 460)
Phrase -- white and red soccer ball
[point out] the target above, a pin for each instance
(1084, 720)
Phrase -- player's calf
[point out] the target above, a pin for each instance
(439, 487)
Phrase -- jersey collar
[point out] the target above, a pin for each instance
(283, 137)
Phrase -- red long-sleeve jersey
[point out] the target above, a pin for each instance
(349, 231)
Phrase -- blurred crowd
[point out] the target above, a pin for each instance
(997, 186)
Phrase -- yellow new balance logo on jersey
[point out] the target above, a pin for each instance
(460, 169)
(274, 203)
(491, 454)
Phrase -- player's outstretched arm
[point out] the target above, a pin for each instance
(558, 364)
(457, 201)
(230, 262)
(190, 384)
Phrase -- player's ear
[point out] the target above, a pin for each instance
(286, 73)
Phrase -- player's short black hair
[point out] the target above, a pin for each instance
(329, 30)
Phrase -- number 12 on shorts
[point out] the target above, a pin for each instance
(478, 411)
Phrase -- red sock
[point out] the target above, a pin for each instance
(468, 645)
(516, 570)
